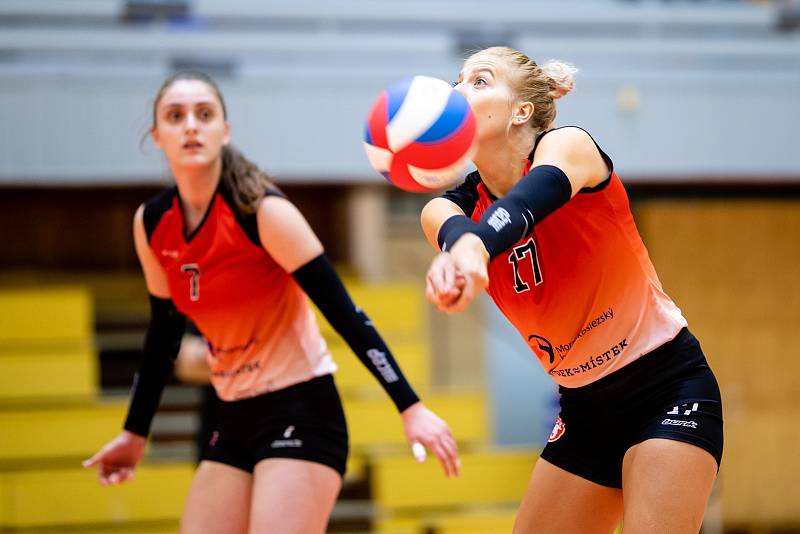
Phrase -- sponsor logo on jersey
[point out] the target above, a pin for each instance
(226, 351)
(593, 361)
(542, 348)
(607, 315)
(248, 367)
(558, 430)
(169, 253)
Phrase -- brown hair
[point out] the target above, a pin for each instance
(246, 182)
(540, 85)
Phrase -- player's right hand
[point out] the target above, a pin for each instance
(117, 460)
(443, 283)
(455, 278)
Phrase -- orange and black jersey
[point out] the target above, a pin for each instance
(261, 332)
(580, 289)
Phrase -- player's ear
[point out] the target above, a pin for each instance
(154, 136)
(523, 113)
(227, 137)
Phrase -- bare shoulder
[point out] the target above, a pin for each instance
(138, 216)
(574, 151)
(139, 234)
(154, 275)
(285, 233)
(568, 141)
(276, 207)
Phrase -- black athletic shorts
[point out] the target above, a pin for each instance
(304, 422)
(668, 393)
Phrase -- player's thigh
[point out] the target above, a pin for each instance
(292, 496)
(558, 501)
(218, 500)
(666, 485)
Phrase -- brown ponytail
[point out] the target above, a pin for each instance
(247, 183)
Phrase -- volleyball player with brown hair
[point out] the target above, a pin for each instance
(226, 249)
(544, 225)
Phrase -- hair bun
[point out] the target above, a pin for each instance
(562, 77)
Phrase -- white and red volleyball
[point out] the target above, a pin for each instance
(420, 134)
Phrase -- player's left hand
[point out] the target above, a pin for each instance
(426, 430)
(464, 267)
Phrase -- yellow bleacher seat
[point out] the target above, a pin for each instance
(48, 373)
(42, 316)
(42, 433)
(493, 477)
(400, 525)
(479, 522)
(69, 497)
(376, 422)
(500, 521)
(462, 521)
(391, 307)
(46, 348)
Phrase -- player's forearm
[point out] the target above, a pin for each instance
(321, 283)
(434, 215)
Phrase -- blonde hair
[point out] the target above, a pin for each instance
(246, 182)
(540, 85)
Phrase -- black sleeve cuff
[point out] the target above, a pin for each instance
(452, 229)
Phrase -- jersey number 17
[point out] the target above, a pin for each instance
(517, 256)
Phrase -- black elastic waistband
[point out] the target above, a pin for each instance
(662, 363)
(280, 394)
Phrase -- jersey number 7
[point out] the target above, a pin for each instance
(194, 283)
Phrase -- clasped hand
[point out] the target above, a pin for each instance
(456, 277)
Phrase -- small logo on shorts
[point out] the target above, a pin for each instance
(557, 431)
(284, 443)
(676, 422)
(676, 410)
(214, 438)
(287, 443)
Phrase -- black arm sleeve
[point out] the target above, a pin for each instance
(321, 283)
(538, 194)
(161, 347)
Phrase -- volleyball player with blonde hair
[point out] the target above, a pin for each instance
(544, 225)
(225, 248)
